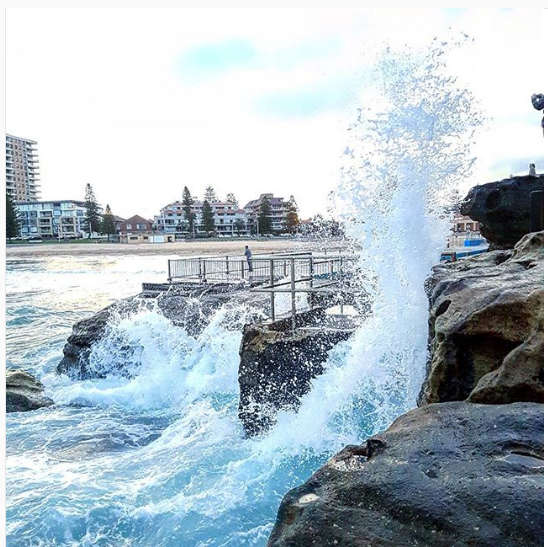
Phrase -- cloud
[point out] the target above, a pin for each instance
(209, 60)
(327, 95)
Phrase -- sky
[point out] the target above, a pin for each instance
(141, 102)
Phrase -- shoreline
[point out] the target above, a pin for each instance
(183, 248)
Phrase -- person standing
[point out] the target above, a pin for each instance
(247, 254)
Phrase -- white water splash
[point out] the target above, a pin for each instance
(199, 481)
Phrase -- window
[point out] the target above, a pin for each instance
(128, 226)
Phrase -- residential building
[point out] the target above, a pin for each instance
(50, 219)
(22, 174)
(463, 224)
(278, 217)
(464, 232)
(227, 218)
(118, 221)
(136, 225)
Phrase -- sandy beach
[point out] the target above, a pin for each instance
(182, 248)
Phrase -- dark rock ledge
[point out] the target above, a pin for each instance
(24, 392)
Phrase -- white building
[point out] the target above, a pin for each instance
(22, 174)
(50, 219)
(278, 217)
(227, 217)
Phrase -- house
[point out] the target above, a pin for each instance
(136, 225)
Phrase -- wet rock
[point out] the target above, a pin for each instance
(444, 475)
(503, 209)
(277, 365)
(189, 306)
(486, 327)
(85, 333)
(24, 392)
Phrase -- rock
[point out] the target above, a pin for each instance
(444, 475)
(189, 306)
(24, 392)
(278, 365)
(85, 333)
(486, 327)
(503, 209)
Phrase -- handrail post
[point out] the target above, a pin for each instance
(272, 297)
(293, 309)
(199, 268)
(169, 270)
(227, 269)
(311, 283)
(340, 284)
(243, 270)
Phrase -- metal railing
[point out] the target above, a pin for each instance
(313, 275)
(317, 274)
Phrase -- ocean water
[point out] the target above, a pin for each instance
(160, 459)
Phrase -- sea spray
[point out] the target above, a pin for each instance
(156, 456)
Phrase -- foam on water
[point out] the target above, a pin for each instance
(158, 457)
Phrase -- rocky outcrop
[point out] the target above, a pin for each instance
(24, 392)
(486, 327)
(189, 306)
(444, 475)
(503, 209)
(277, 365)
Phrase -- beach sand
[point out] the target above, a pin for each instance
(181, 248)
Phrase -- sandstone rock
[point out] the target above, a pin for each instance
(278, 365)
(486, 327)
(444, 475)
(503, 209)
(24, 392)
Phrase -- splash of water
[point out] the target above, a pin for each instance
(195, 479)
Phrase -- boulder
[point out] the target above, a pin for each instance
(278, 364)
(24, 392)
(503, 209)
(444, 475)
(486, 327)
(189, 306)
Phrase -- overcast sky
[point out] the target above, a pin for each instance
(140, 102)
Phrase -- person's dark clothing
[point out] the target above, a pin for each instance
(247, 254)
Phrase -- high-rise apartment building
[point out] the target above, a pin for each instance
(22, 174)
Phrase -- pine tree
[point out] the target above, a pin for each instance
(108, 224)
(92, 218)
(208, 221)
(239, 226)
(231, 198)
(190, 216)
(292, 218)
(210, 195)
(265, 217)
(12, 217)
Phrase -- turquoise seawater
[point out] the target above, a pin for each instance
(157, 460)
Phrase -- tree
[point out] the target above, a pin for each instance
(190, 216)
(239, 226)
(265, 216)
(210, 195)
(292, 218)
(92, 218)
(208, 221)
(231, 198)
(12, 217)
(108, 224)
